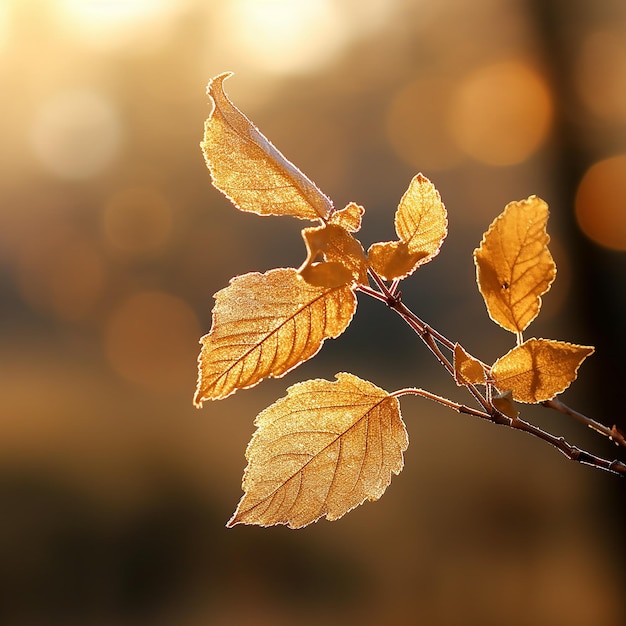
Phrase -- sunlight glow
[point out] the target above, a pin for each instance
(115, 23)
(283, 36)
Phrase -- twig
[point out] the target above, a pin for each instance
(392, 298)
(614, 434)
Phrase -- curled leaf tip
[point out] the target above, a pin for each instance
(248, 169)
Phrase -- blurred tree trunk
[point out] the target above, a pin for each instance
(598, 291)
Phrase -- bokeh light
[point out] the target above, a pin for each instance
(151, 339)
(417, 124)
(137, 220)
(114, 488)
(601, 202)
(76, 134)
(601, 75)
(501, 113)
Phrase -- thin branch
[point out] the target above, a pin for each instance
(392, 298)
(612, 433)
(571, 452)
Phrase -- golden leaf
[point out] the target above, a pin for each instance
(539, 369)
(326, 274)
(336, 245)
(265, 325)
(421, 224)
(323, 449)
(349, 217)
(249, 170)
(421, 220)
(392, 259)
(467, 369)
(504, 403)
(514, 267)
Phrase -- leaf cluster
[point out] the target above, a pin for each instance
(328, 446)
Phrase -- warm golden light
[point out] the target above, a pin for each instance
(601, 203)
(502, 113)
(108, 24)
(283, 36)
(76, 134)
(151, 340)
(137, 220)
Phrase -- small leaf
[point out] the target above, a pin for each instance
(336, 245)
(504, 403)
(326, 274)
(392, 259)
(265, 325)
(349, 217)
(323, 449)
(421, 224)
(514, 267)
(467, 369)
(421, 220)
(539, 369)
(249, 170)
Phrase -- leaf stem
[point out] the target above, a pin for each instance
(459, 408)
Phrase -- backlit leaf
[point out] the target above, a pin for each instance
(265, 325)
(349, 217)
(539, 369)
(504, 403)
(249, 170)
(421, 219)
(323, 449)
(326, 274)
(421, 224)
(336, 245)
(467, 369)
(392, 259)
(514, 267)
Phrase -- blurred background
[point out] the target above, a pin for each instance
(114, 490)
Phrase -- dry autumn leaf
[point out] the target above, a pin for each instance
(467, 369)
(249, 170)
(539, 369)
(323, 449)
(265, 325)
(337, 246)
(514, 267)
(421, 224)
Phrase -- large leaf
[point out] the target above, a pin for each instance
(421, 224)
(265, 325)
(249, 170)
(539, 369)
(514, 267)
(323, 449)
